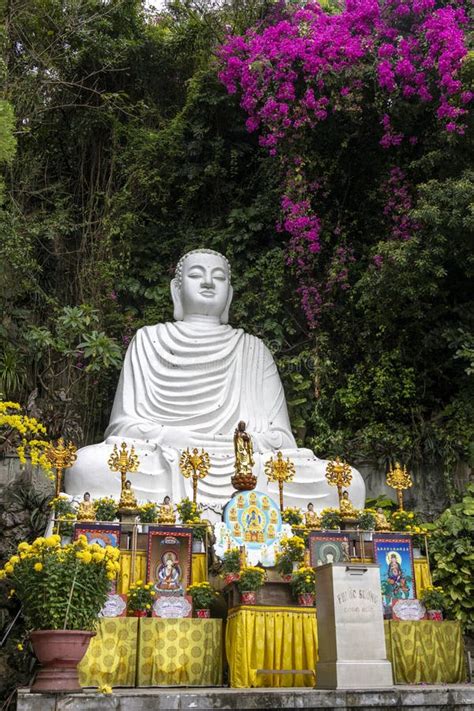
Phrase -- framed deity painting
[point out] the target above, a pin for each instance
(328, 547)
(394, 556)
(102, 533)
(169, 559)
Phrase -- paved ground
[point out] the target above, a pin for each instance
(456, 697)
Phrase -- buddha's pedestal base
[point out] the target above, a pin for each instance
(127, 515)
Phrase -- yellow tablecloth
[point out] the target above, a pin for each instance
(183, 652)
(112, 655)
(286, 638)
(422, 575)
(270, 638)
(425, 651)
(199, 571)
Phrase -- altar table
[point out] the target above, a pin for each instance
(128, 651)
(278, 638)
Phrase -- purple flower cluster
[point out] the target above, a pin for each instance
(398, 206)
(285, 70)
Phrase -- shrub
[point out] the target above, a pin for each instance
(303, 580)
(231, 561)
(251, 579)
(140, 596)
(203, 595)
(330, 519)
(105, 509)
(366, 519)
(452, 551)
(61, 587)
(148, 513)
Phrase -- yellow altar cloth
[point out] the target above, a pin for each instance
(422, 575)
(199, 571)
(183, 652)
(425, 651)
(260, 637)
(112, 655)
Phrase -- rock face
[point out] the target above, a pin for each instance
(23, 515)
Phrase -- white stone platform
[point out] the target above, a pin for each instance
(456, 697)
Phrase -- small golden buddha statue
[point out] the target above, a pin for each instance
(311, 518)
(381, 523)
(127, 497)
(86, 509)
(166, 513)
(345, 506)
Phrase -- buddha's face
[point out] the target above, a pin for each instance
(204, 285)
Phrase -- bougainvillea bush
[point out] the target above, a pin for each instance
(307, 66)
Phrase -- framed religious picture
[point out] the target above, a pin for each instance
(105, 534)
(169, 559)
(328, 547)
(394, 555)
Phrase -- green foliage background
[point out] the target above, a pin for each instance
(129, 152)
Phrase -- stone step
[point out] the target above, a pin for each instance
(458, 697)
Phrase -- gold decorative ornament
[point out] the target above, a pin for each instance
(338, 474)
(195, 465)
(124, 461)
(399, 479)
(244, 479)
(61, 457)
(280, 471)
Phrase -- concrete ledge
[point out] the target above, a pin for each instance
(456, 697)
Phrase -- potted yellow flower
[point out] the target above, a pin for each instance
(231, 565)
(290, 555)
(203, 596)
(303, 583)
(251, 579)
(62, 590)
(140, 599)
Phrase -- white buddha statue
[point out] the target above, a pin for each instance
(188, 384)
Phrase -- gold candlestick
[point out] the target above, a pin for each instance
(61, 457)
(338, 474)
(281, 471)
(123, 462)
(399, 479)
(195, 465)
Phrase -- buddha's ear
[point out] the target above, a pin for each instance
(178, 313)
(225, 314)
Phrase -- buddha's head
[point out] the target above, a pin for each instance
(201, 286)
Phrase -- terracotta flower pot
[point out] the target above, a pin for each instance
(59, 652)
(306, 599)
(203, 613)
(248, 598)
(436, 615)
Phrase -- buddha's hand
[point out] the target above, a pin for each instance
(176, 437)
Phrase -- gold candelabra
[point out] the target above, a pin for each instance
(399, 479)
(195, 465)
(280, 471)
(123, 461)
(61, 457)
(338, 474)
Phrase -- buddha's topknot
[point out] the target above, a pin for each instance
(179, 267)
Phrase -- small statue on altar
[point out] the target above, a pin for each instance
(127, 498)
(381, 522)
(244, 479)
(345, 506)
(311, 518)
(166, 512)
(86, 509)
